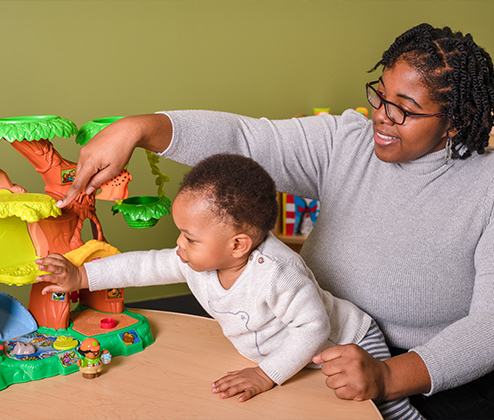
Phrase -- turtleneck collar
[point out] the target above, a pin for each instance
(426, 164)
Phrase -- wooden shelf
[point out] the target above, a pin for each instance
(292, 239)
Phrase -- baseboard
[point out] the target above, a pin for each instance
(185, 304)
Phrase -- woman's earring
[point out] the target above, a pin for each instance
(448, 150)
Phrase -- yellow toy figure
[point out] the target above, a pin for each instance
(92, 363)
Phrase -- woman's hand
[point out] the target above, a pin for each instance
(109, 151)
(246, 382)
(64, 276)
(353, 373)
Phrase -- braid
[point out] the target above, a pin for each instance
(460, 78)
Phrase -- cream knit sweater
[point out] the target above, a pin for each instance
(275, 313)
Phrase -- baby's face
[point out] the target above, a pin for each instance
(204, 242)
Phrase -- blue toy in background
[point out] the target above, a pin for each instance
(15, 319)
(298, 214)
(306, 212)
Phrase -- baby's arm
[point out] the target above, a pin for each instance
(246, 382)
(65, 277)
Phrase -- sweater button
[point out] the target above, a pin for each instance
(251, 257)
(260, 260)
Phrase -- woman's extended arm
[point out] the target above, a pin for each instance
(296, 152)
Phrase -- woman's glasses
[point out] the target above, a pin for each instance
(395, 113)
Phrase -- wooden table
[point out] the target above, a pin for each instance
(171, 379)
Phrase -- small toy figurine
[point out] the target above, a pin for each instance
(21, 348)
(91, 364)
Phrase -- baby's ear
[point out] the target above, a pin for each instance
(241, 245)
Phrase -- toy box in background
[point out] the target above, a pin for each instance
(299, 215)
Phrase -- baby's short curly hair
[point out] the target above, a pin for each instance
(240, 191)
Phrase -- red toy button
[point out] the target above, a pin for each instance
(108, 323)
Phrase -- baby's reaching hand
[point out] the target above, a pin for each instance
(247, 382)
(64, 276)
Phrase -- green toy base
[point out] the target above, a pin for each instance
(124, 341)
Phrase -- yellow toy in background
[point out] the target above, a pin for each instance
(363, 110)
(320, 111)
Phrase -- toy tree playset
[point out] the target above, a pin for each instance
(45, 339)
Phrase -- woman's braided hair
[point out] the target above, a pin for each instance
(460, 78)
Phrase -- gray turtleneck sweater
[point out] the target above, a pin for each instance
(411, 244)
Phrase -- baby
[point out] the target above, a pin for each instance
(263, 295)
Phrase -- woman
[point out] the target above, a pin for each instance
(405, 229)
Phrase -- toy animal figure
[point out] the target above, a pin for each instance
(21, 348)
(128, 338)
(93, 359)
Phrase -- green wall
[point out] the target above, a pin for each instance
(90, 59)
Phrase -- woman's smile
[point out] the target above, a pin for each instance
(383, 140)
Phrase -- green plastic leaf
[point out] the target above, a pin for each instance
(36, 127)
(143, 207)
(91, 128)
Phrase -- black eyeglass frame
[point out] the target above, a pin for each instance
(385, 102)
